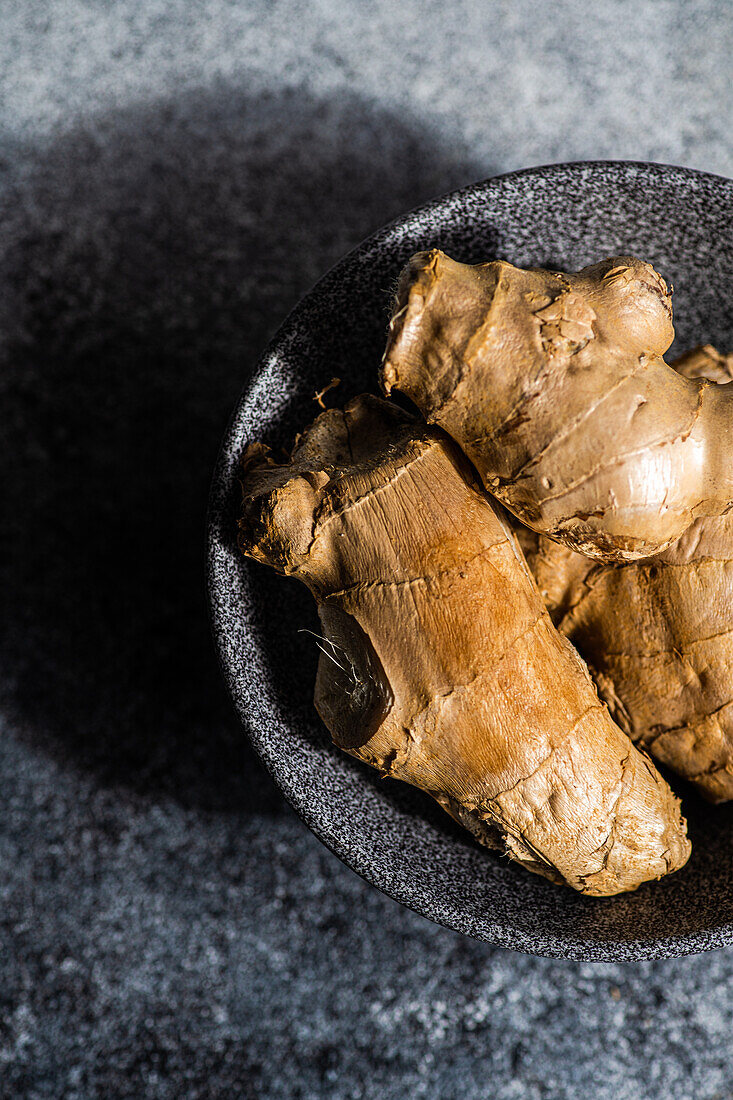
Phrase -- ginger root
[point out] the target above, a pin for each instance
(440, 665)
(555, 387)
(658, 634)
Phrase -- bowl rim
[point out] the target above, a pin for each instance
(554, 944)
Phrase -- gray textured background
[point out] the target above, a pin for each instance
(174, 174)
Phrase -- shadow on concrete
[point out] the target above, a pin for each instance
(146, 261)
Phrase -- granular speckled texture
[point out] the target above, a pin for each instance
(173, 176)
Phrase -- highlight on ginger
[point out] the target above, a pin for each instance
(658, 634)
(440, 665)
(555, 387)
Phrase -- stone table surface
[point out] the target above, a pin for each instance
(174, 174)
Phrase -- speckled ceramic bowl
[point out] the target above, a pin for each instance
(562, 216)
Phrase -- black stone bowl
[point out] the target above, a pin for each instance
(562, 216)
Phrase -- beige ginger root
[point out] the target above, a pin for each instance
(658, 634)
(440, 665)
(555, 387)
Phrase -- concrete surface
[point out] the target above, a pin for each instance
(174, 174)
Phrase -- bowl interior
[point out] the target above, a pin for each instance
(563, 216)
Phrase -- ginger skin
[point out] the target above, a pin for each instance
(440, 665)
(555, 387)
(658, 635)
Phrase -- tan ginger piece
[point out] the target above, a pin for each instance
(555, 387)
(705, 362)
(658, 635)
(440, 665)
